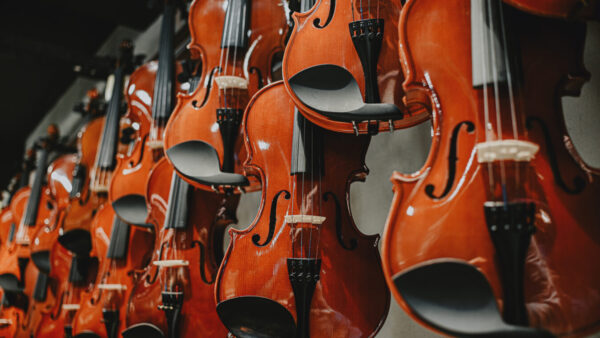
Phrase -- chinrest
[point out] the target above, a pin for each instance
(454, 297)
(198, 161)
(132, 209)
(332, 91)
(256, 317)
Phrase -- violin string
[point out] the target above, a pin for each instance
(509, 79)
(244, 18)
(361, 10)
(302, 196)
(352, 7)
(237, 28)
(484, 70)
(312, 179)
(229, 27)
(496, 96)
(296, 151)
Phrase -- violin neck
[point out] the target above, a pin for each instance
(110, 133)
(490, 43)
(164, 87)
(177, 212)
(33, 202)
(119, 240)
(237, 21)
(307, 148)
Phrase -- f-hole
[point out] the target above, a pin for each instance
(578, 182)
(272, 219)
(152, 279)
(317, 21)
(338, 222)
(139, 160)
(209, 85)
(202, 250)
(452, 158)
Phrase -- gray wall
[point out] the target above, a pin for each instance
(406, 150)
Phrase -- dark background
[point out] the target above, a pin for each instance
(41, 42)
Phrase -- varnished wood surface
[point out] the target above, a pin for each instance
(351, 298)
(559, 276)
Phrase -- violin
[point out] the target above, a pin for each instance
(38, 209)
(14, 302)
(11, 301)
(202, 138)
(150, 99)
(122, 250)
(305, 252)
(329, 89)
(490, 223)
(97, 145)
(175, 295)
(67, 271)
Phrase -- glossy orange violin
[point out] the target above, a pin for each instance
(67, 272)
(97, 145)
(360, 92)
(175, 297)
(494, 235)
(122, 251)
(13, 301)
(312, 272)
(238, 44)
(150, 98)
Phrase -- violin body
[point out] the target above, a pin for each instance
(350, 259)
(111, 272)
(195, 115)
(134, 166)
(80, 212)
(39, 308)
(59, 178)
(325, 29)
(11, 314)
(49, 255)
(11, 319)
(199, 244)
(54, 318)
(438, 213)
(20, 247)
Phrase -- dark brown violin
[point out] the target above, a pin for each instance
(175, 295)
(150, 98)
(302, 269)
(122, 250)
(340, 52)
(98, 146)
(238, 44)
(502, 215)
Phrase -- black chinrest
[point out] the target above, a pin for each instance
(10, 283)
(142, 330)
(198, 161)
(333, 92)
(454, 297)
(132, 209)
(41, 259)
(78, 241)
(256, 317)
